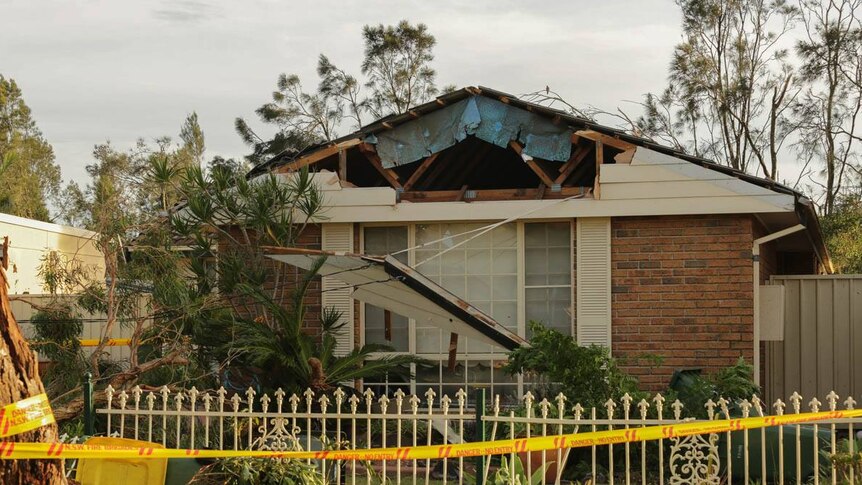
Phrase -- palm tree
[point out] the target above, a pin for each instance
(294, 360)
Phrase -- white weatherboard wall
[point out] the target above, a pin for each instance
(655, 176)
(335, 294)
(594, 281)
(29, 240)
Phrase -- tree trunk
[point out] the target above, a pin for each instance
(19, 379)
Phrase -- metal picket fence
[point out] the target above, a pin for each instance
(338, 420)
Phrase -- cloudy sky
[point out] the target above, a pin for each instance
(120, 70)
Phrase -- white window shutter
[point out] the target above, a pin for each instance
(594, 281)
(338, 237)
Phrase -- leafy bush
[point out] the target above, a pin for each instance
(57, 330)
(586, 373)
(257, 471)
(847, 460)
(733, 383)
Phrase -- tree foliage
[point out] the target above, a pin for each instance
(829, 107)
(730, 84)
(186, 269)
(31, 177)
(842, 230)
(398, 76)
(397, 65)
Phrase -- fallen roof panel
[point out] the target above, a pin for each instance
(390, 284)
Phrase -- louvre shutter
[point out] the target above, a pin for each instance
(339, 237)
(594, 281)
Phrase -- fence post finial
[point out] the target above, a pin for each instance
(677, 409)
(627, 403)
(710, 408)
(264, 402)
(643, 405)
(544, 406)
(814, 404)
(796, 400)
(779, 407)
(832, 399)
(722, 404)
(758, 404)
(745, 405)
(610, 405)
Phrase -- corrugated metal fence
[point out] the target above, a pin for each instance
(821, 348)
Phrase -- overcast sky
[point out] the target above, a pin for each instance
(120, 70)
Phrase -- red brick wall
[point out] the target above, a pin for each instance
(286, 278)
(682, 290)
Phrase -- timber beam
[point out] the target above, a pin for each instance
(420, 170)
(318, 155)
(370, 153)
(578, 156)
(466, 195)
(543, 176)
(606, 139)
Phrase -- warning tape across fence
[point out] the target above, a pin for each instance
(12, 450)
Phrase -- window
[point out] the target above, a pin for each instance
(548, 275)
(482, 270)
(516, 272)
(381, 241)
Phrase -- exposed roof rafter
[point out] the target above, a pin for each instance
(606, 139)
(543, 176)
(374, 159)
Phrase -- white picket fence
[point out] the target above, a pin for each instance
(217, 420)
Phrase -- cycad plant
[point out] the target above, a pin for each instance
(294, 360)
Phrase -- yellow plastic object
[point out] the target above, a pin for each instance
(149, 471)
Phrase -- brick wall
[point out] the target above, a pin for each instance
(682, 290)
(284, 278)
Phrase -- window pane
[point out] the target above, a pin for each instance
(375, 331)
(551, 307)
(381, 241)
(478, 261)
(548, 263)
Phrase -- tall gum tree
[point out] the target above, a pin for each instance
(19, 379)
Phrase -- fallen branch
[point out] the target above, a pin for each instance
(75, 407)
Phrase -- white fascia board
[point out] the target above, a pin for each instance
(547, 209)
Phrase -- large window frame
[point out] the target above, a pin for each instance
(464, 358)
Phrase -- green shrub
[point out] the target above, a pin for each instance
(257, 471)
(57, 330)
(733, 383)
(586, 374)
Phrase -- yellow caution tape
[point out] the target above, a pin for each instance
(25, 415)
(9, 450)
(111, 342)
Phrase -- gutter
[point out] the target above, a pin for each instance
(755, 257)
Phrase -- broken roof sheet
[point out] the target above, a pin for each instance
(488, 119)
(390, 284)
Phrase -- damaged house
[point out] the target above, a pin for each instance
(451, 226)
